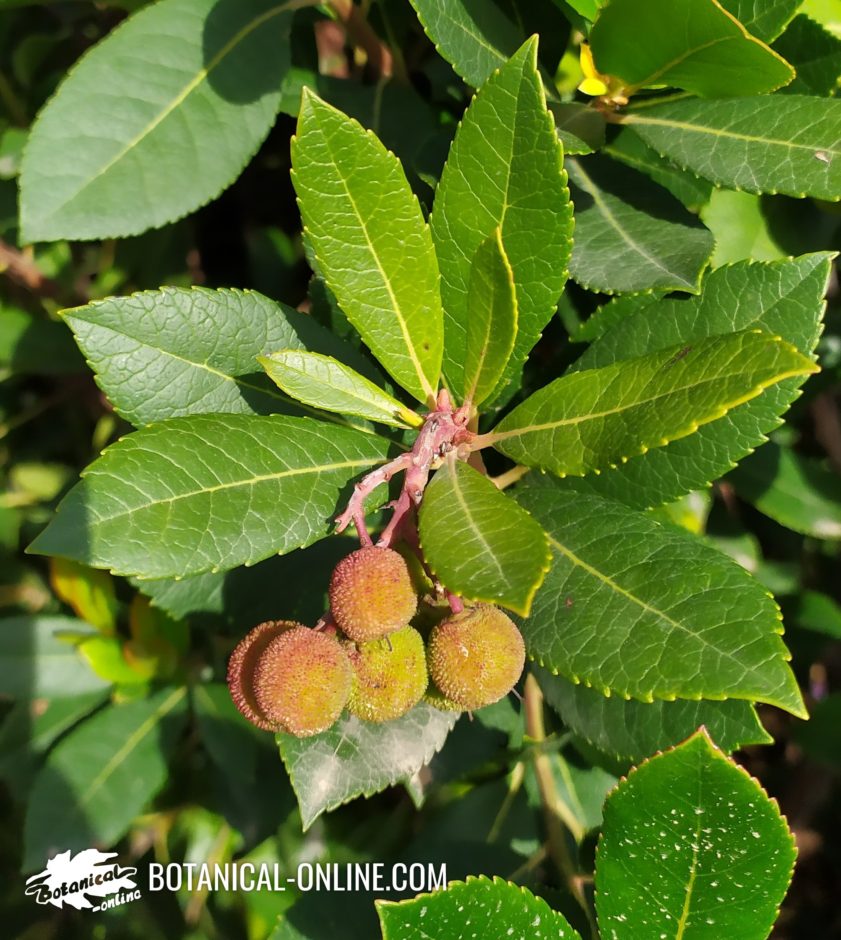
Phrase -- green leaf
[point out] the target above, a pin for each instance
(324, 382)
(480, 543)
(474, 38)
(101, 776)
(637, 609)
(633, 730)
(814, 611)
(591, 420)
(371, 242)
(177, 351)
(779, 144)
(91, 593)
(604, 318)
(208, 492)
(114, 152)
(765, 19)
(740, 228)
(36, 346)
(36, 663)
(504, 171)
(795, 491)
(690, 44)
(500, 909)
(630, 233)
(360, 758)
(815, 53)
(491, 319)
(784, 298)
(691, 847)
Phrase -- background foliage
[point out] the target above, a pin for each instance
(118, 184)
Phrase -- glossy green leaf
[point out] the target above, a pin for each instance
(595, 419)
(634, 730)
(690, 44)
(500, 909)
(581, 129)
(740, 228)
(798, 492)
(208, 492)
(36, 663)
(371, 242)
(491, 319)
(630, 233)
(611, 313)
(637, 609)
(480, 543)
(359, 758)
(475, 38)
(324, 382)
(102, 775)
(148, 152)
(504, 170)
(691, 847)
(765, 19)
(785, 298)
(778, 144)
(176, 351)
(815, 53)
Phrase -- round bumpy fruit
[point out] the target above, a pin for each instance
(476, 656)
(389, 675)
(242, 664)
(371, 594)
(302, 681)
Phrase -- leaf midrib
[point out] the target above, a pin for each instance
(182, 96)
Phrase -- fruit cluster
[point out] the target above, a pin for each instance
(366, 656)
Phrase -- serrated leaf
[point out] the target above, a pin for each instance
(504, 911)
(797, 492)
(102, 775)
(630, 233)
(491, 319)
(777, 144)
(481, 544)
(371, 242)
(504, 171)
(690, 44)
(691, 846)
(765, 19)
(360, 758)
(588, 421)
(474, 38)
(176, 351)
(604, 318)
(208, 492)
(324, 382)
(634, 730)
(815, 53)
(148, 152)
(637, 609)
(784, 298)
(37, 663)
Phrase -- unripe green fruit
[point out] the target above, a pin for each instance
(389, 675)
(476, 657)
(371, 594)
(302, 681)
(242, 664)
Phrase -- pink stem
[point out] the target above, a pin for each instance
(455, 602)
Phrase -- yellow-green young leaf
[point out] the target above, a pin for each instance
(88, 591)
(691, 846)
(371, 242)
(589, 421)
(637, 609)
(209, 492)
(324, 382)
(491, 319)
(691, 44)
(156, 119)
(788, 144)
(504, 170)
(480, 543)
(498, 909)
